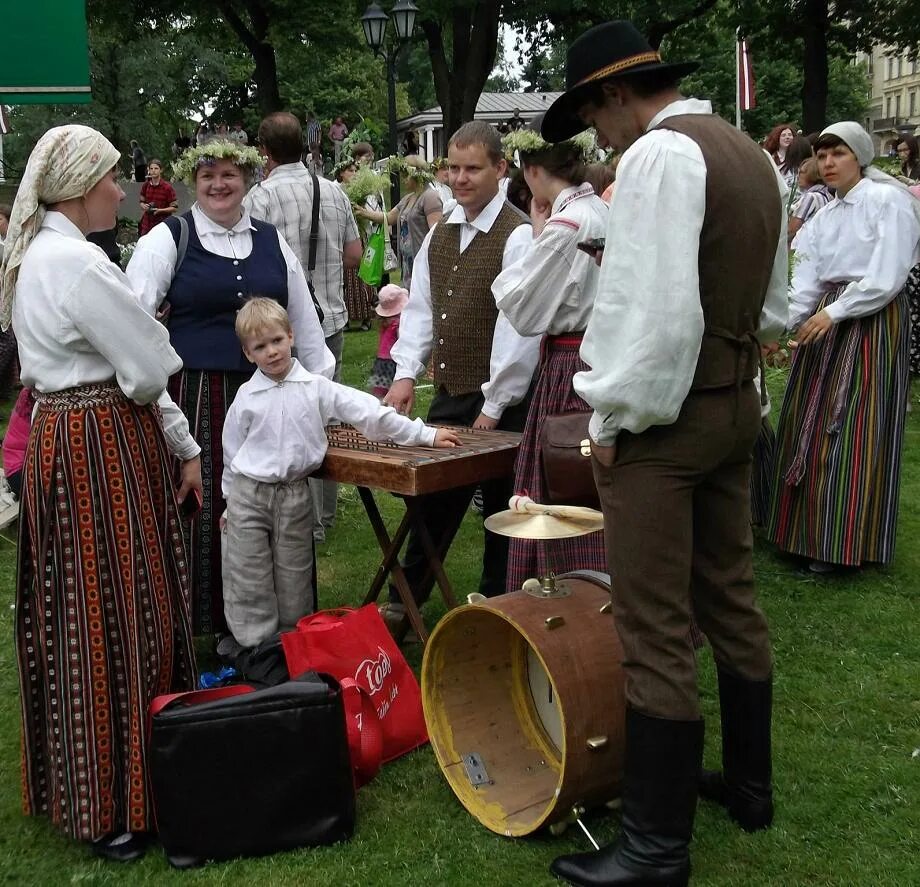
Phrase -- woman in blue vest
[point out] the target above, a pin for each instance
(228, 258)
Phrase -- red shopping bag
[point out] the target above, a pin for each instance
(349, 643)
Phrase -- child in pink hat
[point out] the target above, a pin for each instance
(390, 302)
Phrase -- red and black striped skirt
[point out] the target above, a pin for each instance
(102, 618)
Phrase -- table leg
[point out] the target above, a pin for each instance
(435, 557)
(390, 563)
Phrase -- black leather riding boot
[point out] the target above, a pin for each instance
(660, 785)
(744, 787)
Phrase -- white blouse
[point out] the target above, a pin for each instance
(77, 322)
(276, 431)
(153, 264)
(870, 237)
(513, 358)
(551, 289)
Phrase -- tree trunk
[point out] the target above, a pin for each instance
(254, 37)
(474, 47)
(266, 78)
(814, 66)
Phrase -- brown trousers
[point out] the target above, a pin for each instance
(677, 512)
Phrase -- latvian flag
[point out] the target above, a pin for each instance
(746, 97)
(4, 122)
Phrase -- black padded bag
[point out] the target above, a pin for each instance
(252, 774)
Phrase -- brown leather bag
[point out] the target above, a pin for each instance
(565, 456)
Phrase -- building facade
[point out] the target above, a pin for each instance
(894, 95)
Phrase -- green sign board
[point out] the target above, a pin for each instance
(45, 59)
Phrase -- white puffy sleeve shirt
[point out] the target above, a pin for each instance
(643, 339)
(153, 264)
(551, 288)
(77, 322)
(276, 431)
(870, 237)
(513, 358)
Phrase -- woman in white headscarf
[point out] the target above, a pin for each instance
(102, 620)
(842, 423)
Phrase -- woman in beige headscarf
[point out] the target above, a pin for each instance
(102, 622)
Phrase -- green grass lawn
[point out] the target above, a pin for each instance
(846, 739)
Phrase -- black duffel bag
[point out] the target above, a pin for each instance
(243, 772)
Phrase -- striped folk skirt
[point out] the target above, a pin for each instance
(205, 396)
(102, 619)
(762, 473)
(838, 461)
(553, 395)
(359, 297)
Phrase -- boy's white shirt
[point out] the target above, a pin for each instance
(275, 432)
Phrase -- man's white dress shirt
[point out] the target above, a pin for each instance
(643, 339)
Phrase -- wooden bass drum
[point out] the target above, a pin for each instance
(525, 704)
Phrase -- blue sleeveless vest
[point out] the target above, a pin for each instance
(208, 291)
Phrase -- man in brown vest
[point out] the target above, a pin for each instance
(482, 367)
(693, 273)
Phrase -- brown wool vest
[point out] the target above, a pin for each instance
(738, 243)
(463, 308)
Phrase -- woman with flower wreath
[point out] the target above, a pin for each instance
(550, 291)
(415, 215)
(359, 296)
(229, 257)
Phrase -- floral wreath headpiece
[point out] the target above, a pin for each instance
(529, 141)
(400, 166)
(193, 159)
(346, 161)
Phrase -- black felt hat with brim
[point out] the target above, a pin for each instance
(613, 49)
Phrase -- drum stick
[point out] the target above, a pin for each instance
(526, 505)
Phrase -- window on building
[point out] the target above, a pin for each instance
(890, 68)
(888, 106)
(897, 105)
(913, 103)
(897, 66)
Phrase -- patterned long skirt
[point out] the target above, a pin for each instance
(359, 297)
(913, 298)
(553, 395)
(102, 619)
(838, 463)
(762, 473)
(205, 397)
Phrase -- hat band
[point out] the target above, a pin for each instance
(629, 62)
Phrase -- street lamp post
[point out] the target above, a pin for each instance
(374, 22)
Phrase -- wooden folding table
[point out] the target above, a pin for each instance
(411, 472)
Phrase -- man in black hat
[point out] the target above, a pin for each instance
(695, 250)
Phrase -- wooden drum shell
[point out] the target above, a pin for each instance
(477, 697)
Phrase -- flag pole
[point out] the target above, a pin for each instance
(738, 77)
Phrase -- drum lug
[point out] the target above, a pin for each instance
(596, 743)
(554, 622)
(607, 608)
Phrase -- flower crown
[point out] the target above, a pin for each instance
(346, 161)
(529, 141)
(207, 155)
(400, 166)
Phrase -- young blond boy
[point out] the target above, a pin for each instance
(274, 437)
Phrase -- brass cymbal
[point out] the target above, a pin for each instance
(542, 526)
